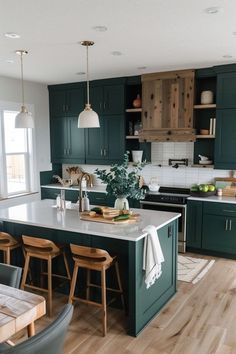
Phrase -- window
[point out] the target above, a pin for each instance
(16, 158)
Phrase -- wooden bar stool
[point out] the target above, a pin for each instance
(45, 250)
(7, 244)
(98, 260)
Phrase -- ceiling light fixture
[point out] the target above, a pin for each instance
(24, 118)
(88, 118)
(100, 28)
(227, 56)
(212, 10)
(11, 35)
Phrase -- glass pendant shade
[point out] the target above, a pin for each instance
(88, 118)
(24, 119)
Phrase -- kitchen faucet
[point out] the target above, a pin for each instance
(87, 176)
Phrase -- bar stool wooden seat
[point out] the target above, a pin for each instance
(98, 260)
(46, 250)
(7, 244)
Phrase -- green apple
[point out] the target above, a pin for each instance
(194, 188)
(203, 187)
(211, 188)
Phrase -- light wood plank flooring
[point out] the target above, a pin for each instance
(200, 319)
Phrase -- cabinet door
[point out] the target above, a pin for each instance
(75, 101)
(57, 103)
(226, 90)
(113, 99)
(114, 138)
(219, 233)
(94, 143)
(76, 141)
(194, 224)
(59, 139)
(225, 152)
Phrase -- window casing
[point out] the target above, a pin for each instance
(17, 162)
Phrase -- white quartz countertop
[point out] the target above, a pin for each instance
(216, 199)
(43, 214)
(96, 188)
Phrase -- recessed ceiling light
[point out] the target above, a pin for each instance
(234, 33)
(227, 56)
(81, 73)
(141, 67)
(212, 10)
(9, 61)
(11, 35)
(100, 28)
(116, 53)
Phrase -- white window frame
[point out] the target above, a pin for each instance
(30, 160)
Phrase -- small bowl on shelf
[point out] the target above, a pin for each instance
(204, 132)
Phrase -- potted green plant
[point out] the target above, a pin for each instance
(122, 182)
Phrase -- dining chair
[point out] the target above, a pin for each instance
(48, 341)
(10, 275)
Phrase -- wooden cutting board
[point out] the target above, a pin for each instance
(100, 218)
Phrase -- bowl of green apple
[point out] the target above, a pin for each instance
(203, 190)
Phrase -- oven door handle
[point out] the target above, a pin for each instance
(171, 205)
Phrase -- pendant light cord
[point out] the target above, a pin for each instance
(22, 80)
(87, 75)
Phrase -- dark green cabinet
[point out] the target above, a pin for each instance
(107, 99)
(66, 101)
(226, 90)
(194, 224)
(225, 152)
(67, 140)
(219, 228)
(107, 143)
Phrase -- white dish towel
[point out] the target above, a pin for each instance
(152, 256)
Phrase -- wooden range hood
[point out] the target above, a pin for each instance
(167, 100)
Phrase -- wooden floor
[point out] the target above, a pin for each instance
(200, 319)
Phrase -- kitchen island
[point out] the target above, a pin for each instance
(42, 219)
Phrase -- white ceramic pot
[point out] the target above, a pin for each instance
(137, 156)
(121, 203)
(206, 97)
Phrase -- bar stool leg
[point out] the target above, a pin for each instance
(50, 285)
(66, 265)
(8, 257)
(26, 268)
(104, 305)
(119, 284)
(88, 284)
(73, 283)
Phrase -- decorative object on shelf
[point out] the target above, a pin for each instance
(88, 118)
(204, 131)
(204, 160)
(24, 118)
(206, 97)
(137, 128)
(137, 156)
(122, 182)
(137, 103)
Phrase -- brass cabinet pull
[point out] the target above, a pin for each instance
(230, 225)
(226, 224)
(229, 211)
(104, 152)
(101, 152)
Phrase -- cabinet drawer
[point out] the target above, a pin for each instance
(225, 209)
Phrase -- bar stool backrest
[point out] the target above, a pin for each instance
(7, 240)
(39, 245)
(89, 254)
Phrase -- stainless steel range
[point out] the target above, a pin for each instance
(170, 199)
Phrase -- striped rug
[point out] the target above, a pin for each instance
(192, 269)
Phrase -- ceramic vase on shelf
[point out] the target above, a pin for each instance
(137, 103)
(121, 203)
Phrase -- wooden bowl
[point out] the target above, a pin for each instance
(204, 131)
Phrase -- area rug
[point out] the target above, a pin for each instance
(193, 269)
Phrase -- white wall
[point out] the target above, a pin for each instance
(37, 95)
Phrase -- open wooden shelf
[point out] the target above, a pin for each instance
(133, 110)
(205, 136)
(204, 106)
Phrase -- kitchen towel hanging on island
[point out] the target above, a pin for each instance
(152, 256)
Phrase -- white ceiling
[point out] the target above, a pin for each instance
(158, 34)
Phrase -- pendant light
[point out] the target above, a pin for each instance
(88, 118)
(24, 118)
